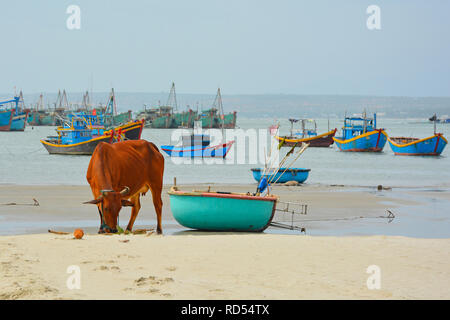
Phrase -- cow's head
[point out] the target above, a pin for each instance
(109, 203)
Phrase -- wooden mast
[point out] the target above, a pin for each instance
(172, 100)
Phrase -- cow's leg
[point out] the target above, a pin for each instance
(100, 230)
(134, 211)
(157, 202)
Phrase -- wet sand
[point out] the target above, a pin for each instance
(61, 206)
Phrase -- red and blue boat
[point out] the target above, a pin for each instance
(198, 146)
(360, 134)
(12, 117)
(407, 146)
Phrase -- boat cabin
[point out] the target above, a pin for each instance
(11, 105)
(355, 126)
(308, 129)
(196, 140)
(76, 131)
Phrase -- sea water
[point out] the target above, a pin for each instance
(25, 161)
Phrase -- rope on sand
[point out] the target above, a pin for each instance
(35, 204)
(390, 216)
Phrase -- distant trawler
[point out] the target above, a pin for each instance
(168, 116)
(13, 117)
(55, 114)
(443, 119)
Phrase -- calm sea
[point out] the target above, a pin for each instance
(24, 161)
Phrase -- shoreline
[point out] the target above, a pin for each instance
(252, 185)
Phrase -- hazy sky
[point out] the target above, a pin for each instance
(243, 46)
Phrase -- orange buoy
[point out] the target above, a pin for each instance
(78, 233)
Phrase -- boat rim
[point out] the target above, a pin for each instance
(416, 141)
(225, 195)
(178, 149)
(376, 131)
(285, 170)
(285, 139)
(76, 144)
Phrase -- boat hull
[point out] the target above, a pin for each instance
(130, 131)
(33, 118)
(133, 130)
(222, 212)
(5, 120)
(431, 146)
(82, 148)
(19, 122)
(218, 151)
(46, 120)
(373, 141)
(293, 174)
(163, 122)
(11, 122)
(321, 141)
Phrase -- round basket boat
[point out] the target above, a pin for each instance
(292, 174)
(222, 211)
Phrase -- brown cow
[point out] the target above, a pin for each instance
(118, 174)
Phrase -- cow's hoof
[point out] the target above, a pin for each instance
(101, 231)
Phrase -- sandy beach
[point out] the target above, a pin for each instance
(226, 266)
(184, 264)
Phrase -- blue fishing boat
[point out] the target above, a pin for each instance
(197, 146)
(131, 130)
(76, 137)
(360, 134)
(282, 175)
(307, 135)
(222, 211)
(407, 146)
(12, 117)
(443, 119)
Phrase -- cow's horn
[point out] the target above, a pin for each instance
(105, 191)
(125, 191)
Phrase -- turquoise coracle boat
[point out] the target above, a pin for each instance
(283, 175)
(222, 211)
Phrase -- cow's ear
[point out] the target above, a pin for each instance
(126, 203)
(93, 201)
